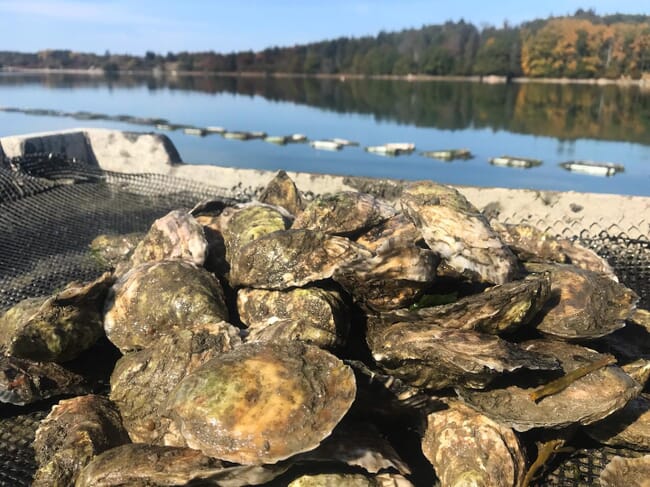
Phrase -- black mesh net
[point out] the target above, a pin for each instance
(52, 207)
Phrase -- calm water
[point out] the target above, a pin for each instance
(554, 123)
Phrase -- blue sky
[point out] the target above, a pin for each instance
(135, 26)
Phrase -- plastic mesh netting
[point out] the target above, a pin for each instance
(50, 210)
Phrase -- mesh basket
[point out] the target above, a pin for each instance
(52, 207)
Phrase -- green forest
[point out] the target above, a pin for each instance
(584, 45)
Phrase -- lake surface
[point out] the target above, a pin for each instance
(554, 123)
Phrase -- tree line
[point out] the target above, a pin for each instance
(584, 45)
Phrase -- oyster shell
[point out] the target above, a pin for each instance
(56, 328)
(639, 370)
(142, 381)
(393, 278)
(141, 465)
(585, 401)
(501, 308)
(468, 448)
(432, 357)
(533, 244)
(23, 381)
(313, 315)
(262, 402)
(351, 480)
(356, 444)
(626, 472)
(282, 191)
(216, 260)
(155, 298)
(453, 228)
(628, 427)
(75, 431)
(583, 304)
(110, 250)
(347, 213)
(398, 231)
(290, 258)
(249, 222)
(176, 235)
(530, 243)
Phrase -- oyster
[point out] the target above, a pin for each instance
(290, 258)
(155, 298)
(639, 370)
(586, 400)
(453, 228)
(468, 448)
(347, 213)
(393, 278)
(398, 230)
(532, 244)
(626, 472)
(56, 328)
(432, 357)
(356, 444)
(142, 381)
(583, 304)
(262, 402)
(23, 381)
(313, 315)
(216, 260)
(141, 465)
(75, 431)
(351, 480)
(250, 222)
(501, 308)
(282, 191)
(176, 235)
(628, 427)
(110, 250)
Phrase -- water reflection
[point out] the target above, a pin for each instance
(565, 112)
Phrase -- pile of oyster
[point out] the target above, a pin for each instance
(341, 341)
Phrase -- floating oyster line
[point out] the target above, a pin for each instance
(593, 168)
(511, 161)
(331, 144)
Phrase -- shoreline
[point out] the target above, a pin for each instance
(489, 79)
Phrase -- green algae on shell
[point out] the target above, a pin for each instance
(56, 328)
(347, 213)
(156, 298)
(312, 315)
(110, 250)
(248, 222)
(262, 402)
(141, 381)
(292, 258)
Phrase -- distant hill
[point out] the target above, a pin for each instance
(584, 45)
